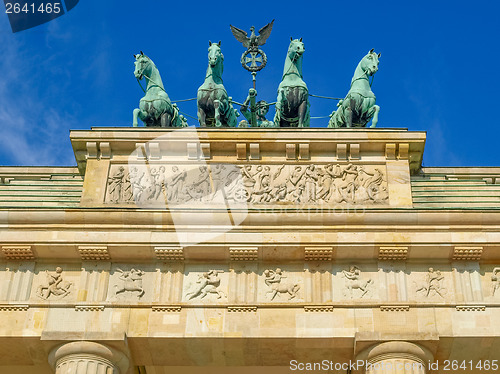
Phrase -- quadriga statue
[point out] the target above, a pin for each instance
(155, 108)
(214, 106)
(292, 105)
(358, 107)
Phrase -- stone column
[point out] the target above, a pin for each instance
(87, 358)
(396, 357)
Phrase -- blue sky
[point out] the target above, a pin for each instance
(438, 71)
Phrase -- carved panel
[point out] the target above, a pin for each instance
(53, 283)
(248, 184)
(206, 284)
(433, 284)
(131, 283)
(281, 284)
(490, 282)
(355, 282)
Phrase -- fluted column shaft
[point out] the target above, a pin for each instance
(396, 357)
(87, 358)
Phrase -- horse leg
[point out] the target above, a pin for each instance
(166, 120)
(217, 114)
(348, 113)
(135, 115)
(202, 117)
(375, 116)
(302, 113)
(117, 291)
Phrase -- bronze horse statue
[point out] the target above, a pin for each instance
(292, 105)
(155, 108)
(214, 106)
(358, 107)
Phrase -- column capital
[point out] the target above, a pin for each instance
(85, 350)
(396, 350)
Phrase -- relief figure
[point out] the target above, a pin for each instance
(273, 280)
(54, 285)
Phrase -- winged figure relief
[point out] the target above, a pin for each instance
(253, 40)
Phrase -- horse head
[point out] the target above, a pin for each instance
(214, 54)
(143, 65)
(295, 49)
(369, 63)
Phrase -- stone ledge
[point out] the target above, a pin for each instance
(13, 308)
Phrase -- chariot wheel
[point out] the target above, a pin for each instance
(241, 195)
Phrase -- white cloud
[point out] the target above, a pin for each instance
(32, 130)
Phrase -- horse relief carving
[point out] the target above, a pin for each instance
(207, 283)
(54, 285)
(433, 285)
(354, 286)
(249, 184)
(129, 281)
(274, 280)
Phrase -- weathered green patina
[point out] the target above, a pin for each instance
(155, 108)
(214, 106)
(292, 105)
(255, 113)
(358, 107)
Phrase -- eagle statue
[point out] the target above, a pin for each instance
(254, 41)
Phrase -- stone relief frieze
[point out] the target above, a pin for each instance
(495, 279)
(254, 184)
(250, 283)
(207, 283)
(354, 285)
(274, 279)
(433, 285)
(129, 282)
(54, 286)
